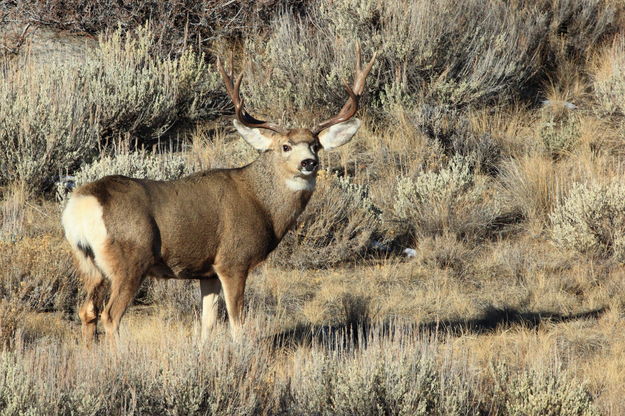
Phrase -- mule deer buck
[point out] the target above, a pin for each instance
(214, 225)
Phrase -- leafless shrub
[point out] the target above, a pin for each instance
(177, 25)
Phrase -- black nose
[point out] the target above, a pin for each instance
(309, 164)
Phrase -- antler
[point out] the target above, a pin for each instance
(351, 106)
(242, 115)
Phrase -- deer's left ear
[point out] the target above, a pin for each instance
(339, 134)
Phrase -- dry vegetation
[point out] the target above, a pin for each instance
(492, 146)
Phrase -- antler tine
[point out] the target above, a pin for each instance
(233, 91)
(359, 80)
(351, 106)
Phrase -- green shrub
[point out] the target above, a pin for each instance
(591, 219)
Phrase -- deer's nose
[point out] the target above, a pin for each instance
(309, 164)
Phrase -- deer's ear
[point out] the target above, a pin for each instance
(253, 136)
(339, 134)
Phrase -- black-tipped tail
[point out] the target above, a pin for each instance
(86, 250)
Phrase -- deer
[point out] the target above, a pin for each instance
(213, 225)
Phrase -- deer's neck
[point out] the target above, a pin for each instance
(282, 198)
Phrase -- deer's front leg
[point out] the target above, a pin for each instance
(209, 288)
(233, 284)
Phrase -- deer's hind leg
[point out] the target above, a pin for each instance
(126, 267)
(93, 281)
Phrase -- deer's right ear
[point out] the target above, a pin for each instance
(253, 136)
(339, 134)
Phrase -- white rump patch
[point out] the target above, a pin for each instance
(300, 184)
(83, 223)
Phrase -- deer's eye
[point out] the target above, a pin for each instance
(315, 147)
(286, 147)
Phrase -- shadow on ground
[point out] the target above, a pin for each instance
(357, 333)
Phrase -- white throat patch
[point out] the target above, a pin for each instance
(301, 184)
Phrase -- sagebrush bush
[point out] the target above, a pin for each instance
(394, 383)
(336, 227)
(138, 164)
(427, 51)
(540, 393)
(577, 26)
(221, 379)
(46, 123)
(54, 117)
(140, 93)
(424, 51)
(559, 130)
(591, 219)
(296, 71)
(389, 371)
(452, 129)
(452, 200)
